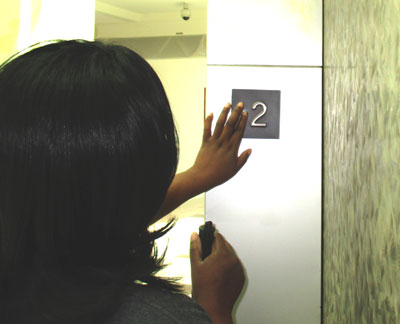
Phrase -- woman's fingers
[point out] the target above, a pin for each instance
(207, 127)
(218, 242)
(224, 128)
(195, 249)
(240, 128)
(218, 280)
(242, 159)
(219, 127)
(232, 122)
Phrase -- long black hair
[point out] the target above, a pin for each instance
(88, 149)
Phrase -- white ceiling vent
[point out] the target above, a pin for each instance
(165, 47)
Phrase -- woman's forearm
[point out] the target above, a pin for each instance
(217, 161)
(184, 186)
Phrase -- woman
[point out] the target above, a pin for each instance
(88, 155)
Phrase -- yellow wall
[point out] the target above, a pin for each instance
(43, 20)
(25, 22)
(184, 80)
(9, 26)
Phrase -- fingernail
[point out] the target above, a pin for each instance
(193, 237)
(240, 104)
(227, 105)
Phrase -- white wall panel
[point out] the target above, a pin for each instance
(267, 32)
(271, 211)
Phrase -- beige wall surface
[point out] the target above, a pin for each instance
(26, 22)
(9, 26)
(184, 80)
(362, 170)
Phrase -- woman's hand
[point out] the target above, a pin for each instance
(218, 160)
(218, 280)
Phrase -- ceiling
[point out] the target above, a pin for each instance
(116, 11)
(156, 6)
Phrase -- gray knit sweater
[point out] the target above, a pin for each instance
(148, 305)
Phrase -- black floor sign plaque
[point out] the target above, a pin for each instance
(263, 107)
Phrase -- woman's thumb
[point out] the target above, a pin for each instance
(195, 249)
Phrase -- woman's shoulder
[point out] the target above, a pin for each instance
(145, 304)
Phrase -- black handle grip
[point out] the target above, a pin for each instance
(206, 233)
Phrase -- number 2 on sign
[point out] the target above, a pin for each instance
(262, 113)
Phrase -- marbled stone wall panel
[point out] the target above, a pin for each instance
(362, 162)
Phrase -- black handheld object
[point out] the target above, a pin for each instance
(206, 233)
